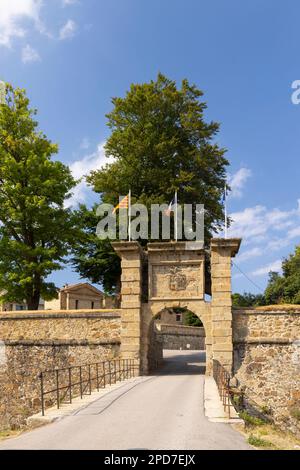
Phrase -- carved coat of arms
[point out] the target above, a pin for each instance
(178, 280)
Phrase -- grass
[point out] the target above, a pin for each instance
(268, 437)
(251, 420)
(259, 442)
(287, 307)
(9, 433)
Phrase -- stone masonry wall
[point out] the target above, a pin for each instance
(267, 361)
(31, 342)
(182, 337)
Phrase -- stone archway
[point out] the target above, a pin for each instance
(176, 279)
(164, 333)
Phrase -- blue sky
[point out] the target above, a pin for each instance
(73, 56)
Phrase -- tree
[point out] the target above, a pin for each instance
(36, 230)
(190, 319)
(93, 258)
(285, 288)
(161, 143)
(248, 300)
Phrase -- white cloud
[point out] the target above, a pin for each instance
(274, 266)
(68, 30)
(264, 232)
(81, 168)
(69, 2)
(30, 55)
(249, 254)
(256, 223)
(294, 233)
(238, 181)
(85, 143)
(12, 16)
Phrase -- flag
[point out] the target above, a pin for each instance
(170, 209)
(123, 204)
(224, 195)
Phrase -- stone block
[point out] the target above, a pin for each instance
(130, 275)
(221, 284)
(222, 347)
(128, 304)
(220, 299)
(131, 263)
(222, 332)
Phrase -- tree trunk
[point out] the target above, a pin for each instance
(33, 301)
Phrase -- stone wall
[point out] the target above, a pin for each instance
(182, 337)
(267, 361)
(155, 348)
(31, 342)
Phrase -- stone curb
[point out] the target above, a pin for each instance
(213, 407)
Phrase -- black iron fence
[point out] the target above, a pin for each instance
(222, 378)
(60, 386)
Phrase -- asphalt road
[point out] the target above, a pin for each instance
(158, 412)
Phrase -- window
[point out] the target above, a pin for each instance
(92, 306)
(178, 316)
(76, 304)
(20, 307)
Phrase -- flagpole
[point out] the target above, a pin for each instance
(2, 92)
(225, 210)
(129, 216)
(176, 211)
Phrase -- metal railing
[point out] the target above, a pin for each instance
(62, 385)
(222, 378)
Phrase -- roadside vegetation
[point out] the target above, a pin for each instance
(281, 289)
(266, 436)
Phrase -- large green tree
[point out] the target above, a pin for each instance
(160, 142)
(285, 288)
(36, 229)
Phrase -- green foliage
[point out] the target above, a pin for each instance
(190, 319)
(161, 143)
(259, 442)
(248, 300)
(285, 288)
(251, 420)
(93, 258)
(36, 230)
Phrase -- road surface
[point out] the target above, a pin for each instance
(158, 412)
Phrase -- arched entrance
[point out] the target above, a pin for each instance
(171, 275)
(162, 330)
(171, 335)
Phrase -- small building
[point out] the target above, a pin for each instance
(170, 317)
(76, 297)
(14, 305)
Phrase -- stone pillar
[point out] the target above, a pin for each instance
(131, 255)
(222, 250)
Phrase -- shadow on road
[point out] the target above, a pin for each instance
(182, 363)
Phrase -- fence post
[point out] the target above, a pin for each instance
(80, 381)
(97, 377)
(90, 383)
(70, 385)
(109, 372)
(42, 394)
(104, 374)
(57, 387)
